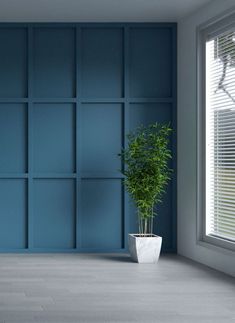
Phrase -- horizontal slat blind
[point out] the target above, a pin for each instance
(220, 136)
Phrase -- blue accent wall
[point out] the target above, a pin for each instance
(69, 94)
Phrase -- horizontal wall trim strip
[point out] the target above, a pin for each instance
(61, 175)
(150, 100)
(14, 175)
(14, 100)
(101, 100)
(54, 175)
(102, 175)
(89, 25)
(86, 100)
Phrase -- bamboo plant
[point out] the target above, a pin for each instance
(146, 170)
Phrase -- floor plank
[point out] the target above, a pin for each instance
(88, 288)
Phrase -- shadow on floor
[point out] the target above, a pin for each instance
(116, 257)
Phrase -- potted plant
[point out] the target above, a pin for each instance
(146, 177)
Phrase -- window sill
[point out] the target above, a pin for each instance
(217, 244)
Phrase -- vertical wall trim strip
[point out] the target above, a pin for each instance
(78, 140)
(174, 141)
(30, 145)
(126, 204)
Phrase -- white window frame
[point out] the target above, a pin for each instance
(210, 29)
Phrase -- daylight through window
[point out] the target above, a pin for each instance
(220, 136)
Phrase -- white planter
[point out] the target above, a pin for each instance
(145, 250)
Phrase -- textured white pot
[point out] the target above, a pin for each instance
(145, 250)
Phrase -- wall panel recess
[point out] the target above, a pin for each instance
(102, 62)
(13, 138)
(101, 223)
(13, 62)
(54, 213)
(54, 62)
(53, 137)
(150, 62)
(13, 219)
(101, 137)
(69, 94)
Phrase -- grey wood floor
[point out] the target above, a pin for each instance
(109, 288)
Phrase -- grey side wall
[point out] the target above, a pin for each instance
(187, 135)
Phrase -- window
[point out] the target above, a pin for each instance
(217, 139)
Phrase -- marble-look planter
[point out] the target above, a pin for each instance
(145, 250)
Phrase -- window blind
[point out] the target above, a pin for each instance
(220, 135)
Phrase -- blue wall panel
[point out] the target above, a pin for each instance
(53, 138)
(13, 142)
(101, 137)
(102, 222)
(54, 213)
(150, 62)
(54, 62)
(69, 94)
(146, 113)
(102, 62)
(13, 219)
(13, 62)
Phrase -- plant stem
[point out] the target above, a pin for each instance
(139, 221)
(151, 230)
(145, 226)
